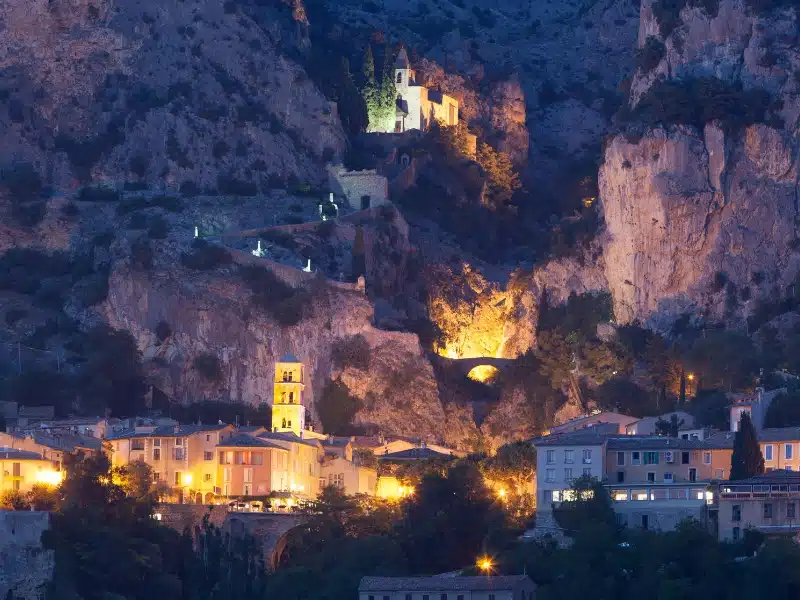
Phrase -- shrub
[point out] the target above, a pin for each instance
(205, 256)
(648, 56)
(22, 181)
(353, 351)
(29, 214)
(699, 100)
(159, 228)
(208, 366)
(163, 331)
(287, 305)
(141, 254)
(229, 185)
(98, 194)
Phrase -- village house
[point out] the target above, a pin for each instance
(20, 470)
(496, 587)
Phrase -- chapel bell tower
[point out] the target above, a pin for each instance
(288, 410)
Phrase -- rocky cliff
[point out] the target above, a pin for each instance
(703, 219)
(159, 93)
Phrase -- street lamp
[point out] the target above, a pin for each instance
(485, 564)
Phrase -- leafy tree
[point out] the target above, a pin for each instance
(556, 357)
(370, 91)
(669, 428)
(620, 394)
(724, 360)
(747, 460)
(710, 409)
(112, 376)
(502, 179)
(12, 500)
(514, 467)
(337, 408)
(784, 411)
(587, 502)
(433, 534)
(42, 497)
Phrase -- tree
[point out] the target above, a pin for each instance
(669, 428)
(514, 467)
(620, 394)
(587, 501)
(502, 180)
(388, 93)
(337, 408)
(448, 521)
(784, 410)
(724, 360)
(370, 91)
(42, 497)
(12, 500)
(747, 460)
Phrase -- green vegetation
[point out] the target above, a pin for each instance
(337, 408)
(352, 351)
(285, 304)
(648, 57)
(205, 256)
(747, 460)
(107, 545)
(208, 366)
(501, 178)
(379, 97)
(697, 101)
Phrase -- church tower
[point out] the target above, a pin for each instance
(288, 410)
(404, 75)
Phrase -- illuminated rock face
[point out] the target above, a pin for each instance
(705, 221)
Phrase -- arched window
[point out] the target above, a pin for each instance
(283, 397)
(291, 397)
(283, 424)
(399, 77)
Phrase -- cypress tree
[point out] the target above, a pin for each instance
(369, 90)
(388, 95)
(747, 460)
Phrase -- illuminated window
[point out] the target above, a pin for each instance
(137, 445)
(177, 477)
(156, 453)
(208, 456)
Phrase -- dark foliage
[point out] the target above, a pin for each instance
(747, 460)
(353, 351)
(648, 56)
(287, 305)
(337, 408)
(163, 331)
(208, 366)
(205, 256)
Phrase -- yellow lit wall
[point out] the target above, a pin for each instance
(22, 473)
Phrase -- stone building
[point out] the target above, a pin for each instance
(362, 189)
(417, 106)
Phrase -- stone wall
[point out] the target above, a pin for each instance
(25, 566)
(353, 185)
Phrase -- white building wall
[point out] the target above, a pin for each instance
(555, 474)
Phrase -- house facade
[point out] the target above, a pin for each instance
(20, 470)
(496, 587)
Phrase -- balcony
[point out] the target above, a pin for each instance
(745, 492)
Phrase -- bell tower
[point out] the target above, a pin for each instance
(288, 410)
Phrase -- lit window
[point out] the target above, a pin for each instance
(208, 456)
(177, 477)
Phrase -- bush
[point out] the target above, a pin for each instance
(648, 56)
(163, 331)
(287, 305)
(205, 256)
(159, 228)
(171, 204)
(229, 185)
(699, 100)
(353, 351)
(208, 366)
(98, 194)
(22, 181)
(141, 255)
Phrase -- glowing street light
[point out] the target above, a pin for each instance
(50, 477)
(690, 377)
(485, 564)
(501, 493)
(187, 479)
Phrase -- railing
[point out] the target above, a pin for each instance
(744, 492)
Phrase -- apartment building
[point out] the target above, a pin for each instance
(297, 471)
(767, 503)
(562, 458)
(184, 457)
(660, 459)
(347, 475)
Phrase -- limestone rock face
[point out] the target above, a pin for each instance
(159, 92)
(705, 221)
(682, 208)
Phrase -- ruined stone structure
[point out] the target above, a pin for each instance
(25, 566)
(361, 189)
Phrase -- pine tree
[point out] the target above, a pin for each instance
(747, 460)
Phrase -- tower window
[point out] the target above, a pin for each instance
(399, 77)
(290, 424)
(283, 424)
(291, 397)
(283, 397)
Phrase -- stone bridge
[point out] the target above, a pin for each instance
(270, 529)
(465, 365)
